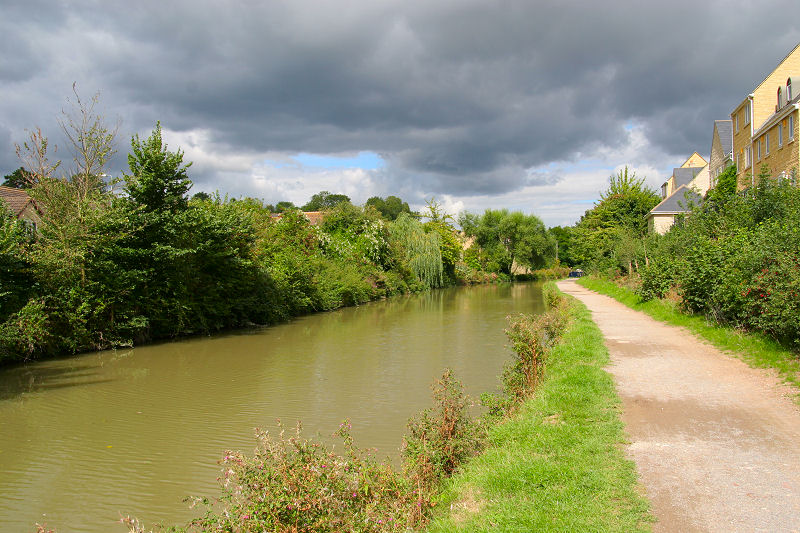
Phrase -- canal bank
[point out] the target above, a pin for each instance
(557, 464)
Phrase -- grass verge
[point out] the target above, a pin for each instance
(756, 350)
(557, 464)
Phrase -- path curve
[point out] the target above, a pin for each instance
(716, 443)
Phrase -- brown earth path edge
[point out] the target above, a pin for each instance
(716, 443)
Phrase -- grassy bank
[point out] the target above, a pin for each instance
(756, 350)
(556, 465)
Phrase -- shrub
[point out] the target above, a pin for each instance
(295, 484)
(440, 439)
(26, 332)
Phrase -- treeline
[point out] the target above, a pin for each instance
(117, 264)
(733, 257)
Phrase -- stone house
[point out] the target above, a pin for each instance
(765, 124)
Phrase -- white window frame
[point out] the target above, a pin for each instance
(758, 150)
(737, 122)
(780, 134)
(747, 156)
(746, 114)
(791, 127)
(766, 144)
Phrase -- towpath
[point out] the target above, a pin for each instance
(716, 443)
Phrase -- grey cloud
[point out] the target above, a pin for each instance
(461, 96)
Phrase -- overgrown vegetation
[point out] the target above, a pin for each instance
(734, 258)
(117, 262)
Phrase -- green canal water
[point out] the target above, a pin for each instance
(87, 439)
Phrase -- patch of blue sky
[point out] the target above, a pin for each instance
(364, 160)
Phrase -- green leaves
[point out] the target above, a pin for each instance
(158, 179)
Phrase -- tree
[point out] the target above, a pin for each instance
(509, 238)
(284, 205)
(324, 200)
(619, 215)
(390, 207)
(90, 141)
(158, 180)
(17, 179)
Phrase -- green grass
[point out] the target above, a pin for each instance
(557, 465)
(756, 350)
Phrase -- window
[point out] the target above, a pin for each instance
(780, 103)
(780, 135)
(791, 127)
(789, 90)
(758, 150)
(746, 114)
(737, 121)
(747, 157)
(766, 144)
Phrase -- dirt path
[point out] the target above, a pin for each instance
(716, 443)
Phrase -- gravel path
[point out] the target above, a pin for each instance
(716, 443)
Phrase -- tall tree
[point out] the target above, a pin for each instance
(325, 200)
(390, 207)
(158, 180)
(17, 179)
(619, 215)
(510, 237)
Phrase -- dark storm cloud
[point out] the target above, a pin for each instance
(459, 96)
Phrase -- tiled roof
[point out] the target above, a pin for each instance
(676, 202)
(684, 175)
(16, 199)
(725, 133)
(314, 217)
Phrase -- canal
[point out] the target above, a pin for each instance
(87, 439)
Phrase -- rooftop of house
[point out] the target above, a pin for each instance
(684, 175)
(315, 218)
(16, 199)
(677, 202)
(725, 133)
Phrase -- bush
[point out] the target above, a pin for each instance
(531, 339)
(26, 332)
(442, 438)
(295, 484)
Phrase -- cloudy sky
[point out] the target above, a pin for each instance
(528, 105)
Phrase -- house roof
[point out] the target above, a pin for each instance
(676, 202)
(315, 218)
(683, 176)
(725, 134)
(16, 199)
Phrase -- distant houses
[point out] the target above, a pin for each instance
(762, 131)
(687, 183)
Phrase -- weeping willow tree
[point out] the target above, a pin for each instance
(422, 252)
